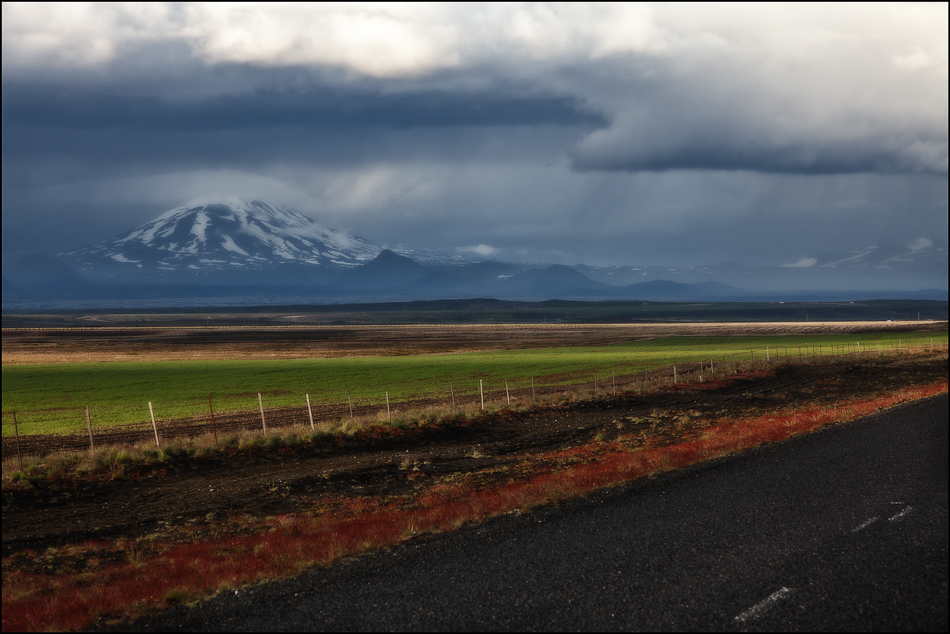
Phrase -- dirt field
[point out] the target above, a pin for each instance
(274, 480)
(75, 345)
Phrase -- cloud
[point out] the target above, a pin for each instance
(564, 132)
(796, 89)
(484, 250)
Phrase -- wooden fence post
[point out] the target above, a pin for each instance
(481, 391)
(507, 393)
(452, 392)
(388, 411)
(674, 375)
(310, 413)
(214, 428)
(16, 430)
(260, 400)
(350, 401)
(154, 426)
(92, 447)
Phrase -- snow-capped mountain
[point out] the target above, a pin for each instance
(228, 234)
(222, 236)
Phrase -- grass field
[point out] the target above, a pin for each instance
(51, 398)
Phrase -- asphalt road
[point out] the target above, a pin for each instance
(845, 529)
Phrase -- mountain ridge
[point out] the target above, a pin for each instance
(234, 246)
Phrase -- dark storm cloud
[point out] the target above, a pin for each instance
(32, 106)
(568, 133)
(723, 145)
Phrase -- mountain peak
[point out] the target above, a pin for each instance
(223, 235)
(388, 256)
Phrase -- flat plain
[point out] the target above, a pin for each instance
(158, 343)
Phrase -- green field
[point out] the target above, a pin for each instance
(52, 398)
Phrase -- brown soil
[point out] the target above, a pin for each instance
(283, 479)
(72, 345)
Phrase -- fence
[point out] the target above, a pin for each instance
(497, 391)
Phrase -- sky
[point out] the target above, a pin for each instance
(600, 134)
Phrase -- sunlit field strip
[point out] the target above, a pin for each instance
(52, 398)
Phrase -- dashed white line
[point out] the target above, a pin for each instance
(861, 527)
(904, 512)
(763, 605)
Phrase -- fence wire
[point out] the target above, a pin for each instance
(230, 416)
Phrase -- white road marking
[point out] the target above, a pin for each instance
(900, 515)
(763, 605)
(865, 525)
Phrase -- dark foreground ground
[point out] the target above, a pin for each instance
(844, 529)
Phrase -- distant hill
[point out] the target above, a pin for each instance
(387, 270)
(12, 292)
(45, 273)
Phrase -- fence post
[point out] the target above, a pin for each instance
(214, 428)
(507, 393)
(350, 401)
(452, 392)
(481, 390)
(310, 412)
(388, 411)
(154, 426)
(16, 429)
(92, 447)
(613, 378)
(260, 400)
(532, 389)
(674, 375)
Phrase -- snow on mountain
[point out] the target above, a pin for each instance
(228, 235)
(921, 253)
